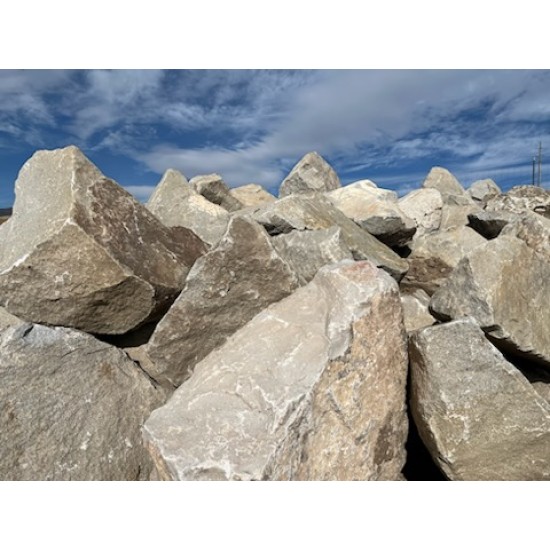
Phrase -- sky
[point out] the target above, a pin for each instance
(252, 126)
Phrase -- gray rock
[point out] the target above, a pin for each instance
(415, 310)
(213, 188)
(8, 320)
(522, 199)
(424, 207)
(505, 286)
(490, 224)
(252, 195)
(313, 211)
(311, 173)
(442, 180)
(176, 204)
(456, 211)
(296, 393)
(477, 414)
(435, 255)
(307, 251)
(224, 290)
(80, 251)
(71, 407)
(482, 190)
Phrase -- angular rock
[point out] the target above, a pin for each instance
(80, 251)
(483, 190)
(415, 310)
(376, 211)
(313, 211)
(224, 290)
(533, 230)
(307, 251)
(213, 188)
(490, 224)
(311, 173)
(176, 204)
(477, 414)
(71, 407)
(252, 195)
(505, 286)
(8, 320)
(521, 199)
(296, 393)
(424, 207)
(435, 255)
(456, 211)
(442, 180)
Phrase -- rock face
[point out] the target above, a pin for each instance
(8, 320)
(435, 255)
(176, 204)
(223, 291)
(213, 188)
(79, 251)
(521, 199)
(456, 211)
(307, 251)
(311, 173)
(505, 286)
(313, 211)
(376, 211)
(71, 407)
(482, 190)
(424, 207)
(416, 310)
(251, 195)
(477, 414)
(490, 224)
(296, 393)
(533, 230)
(442, 180)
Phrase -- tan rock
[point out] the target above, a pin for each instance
(521, 199)
(424, 207)
(213, 188)
(441, 179)
(311, 173)
(533, 230)
(482, 190)
(252, 195)
(415, 310)
(8, 320)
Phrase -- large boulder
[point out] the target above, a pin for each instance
(81, 252)
(311, 173)
(505, 286)
(476, 413)
(456, 211)
(213, 188)
(313, 388)
(522, 199)
(441, 179)
(424, 207)
(71, 407)
(224, 290)
(488, 223)
(533, 230)
(435, 255)
(176, 204)
(482, 190)
(313, 211)
(251, 195)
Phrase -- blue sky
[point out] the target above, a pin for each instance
(252, 126)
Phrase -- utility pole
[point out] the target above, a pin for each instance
(540, 164)
(534, 164)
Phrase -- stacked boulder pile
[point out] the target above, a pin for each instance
(226, 334)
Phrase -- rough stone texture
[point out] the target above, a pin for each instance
(490, 224)
(456, 211)
(435, 255)
(213, 188)
(483, 190)
(71, 407)
(307, 251)
(521, 199)
(477, 414)
(176, 204)
(313, 211)
(223, 291)
(80, 251)
(505, 286)
(311, 173)
(296, 394)
(375, 210)
(8, 320)
(4, 219)
(424, 207)
(442, 180)
(533, 230)
(252, 195)
(415, 310)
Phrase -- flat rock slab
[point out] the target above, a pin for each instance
(505, 286)
(79, 251)
(313, 211)
(416, 311)
(71, 407)
(313, 388)
(311, 173)
(424, 207)
(252, 195)
(478, 416)
(213, 188)
(224, 290)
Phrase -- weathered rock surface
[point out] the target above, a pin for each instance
(505, 286)
(224, 290)
(213, 188)
(296, 393)
(521, 199)
(311, 173)
(252, 195)
(442, 180)
(490, 224)
(424, 207)
(8, 320)
(80, 251)
(376, 211)
(308, 251)
(416, 310)
(533, 230)
(176, 204)
(483, 190)
(313, 211)
(435, 255)
(71, 407)
(456, 211)
(477, 414)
